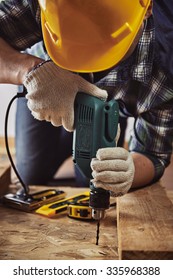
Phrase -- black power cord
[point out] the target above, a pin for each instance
(18, 95)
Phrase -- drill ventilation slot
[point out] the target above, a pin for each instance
(85, 114)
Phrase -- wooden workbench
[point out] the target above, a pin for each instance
(31, 236)
(139, 227)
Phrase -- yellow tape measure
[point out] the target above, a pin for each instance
(80, 210)
(55, 208)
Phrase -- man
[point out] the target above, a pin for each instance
(87, 37)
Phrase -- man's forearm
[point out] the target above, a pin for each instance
(14, 65)
(144, 170)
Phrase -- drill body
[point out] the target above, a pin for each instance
(96, 124)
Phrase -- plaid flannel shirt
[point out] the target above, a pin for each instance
(138, 83)
(145, 93)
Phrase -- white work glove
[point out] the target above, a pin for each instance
(52, 91)
(113, 170)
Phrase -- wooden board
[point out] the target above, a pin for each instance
(145, 224)
(5, 178)
(167, 180)
(11, 142)
(31, 236)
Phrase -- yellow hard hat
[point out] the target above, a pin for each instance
(90, 35)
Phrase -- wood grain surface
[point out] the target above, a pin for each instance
(5, 175)
(140, 227)
(145, 224)
(32, 236)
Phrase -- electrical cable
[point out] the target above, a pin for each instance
(18, 95)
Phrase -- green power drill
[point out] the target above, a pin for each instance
(96, 125)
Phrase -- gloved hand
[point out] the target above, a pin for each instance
(113, 170)
(52, 91)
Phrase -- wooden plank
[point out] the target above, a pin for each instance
(5, 166)
(5, 170)
(5, 178)
(11, 142)
(31, 236)
(145, 224)
(170, 194)
(167, 180)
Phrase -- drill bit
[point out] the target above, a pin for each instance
(97, 233)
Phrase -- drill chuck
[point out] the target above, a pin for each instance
(98, 214)
(99, 201)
